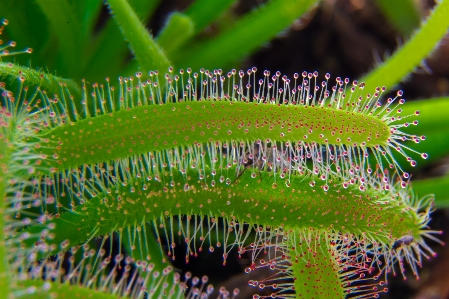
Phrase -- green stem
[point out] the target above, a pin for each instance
(146, 50)
(103, 62)
(314, 266)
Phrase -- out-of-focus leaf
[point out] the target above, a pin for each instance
(402, 14)
(436, 186)
(245, 36)
(68, 30)
(178, 29)
(204, 12)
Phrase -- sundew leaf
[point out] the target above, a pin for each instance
(246, 199)
(254, 155)
(294, 132)
(11, 72)
(374, 218)
(368, 221)
(303, 118)
(50, 83)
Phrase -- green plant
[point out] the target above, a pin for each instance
(210, 158)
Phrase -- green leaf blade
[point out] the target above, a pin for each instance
(68, 31)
